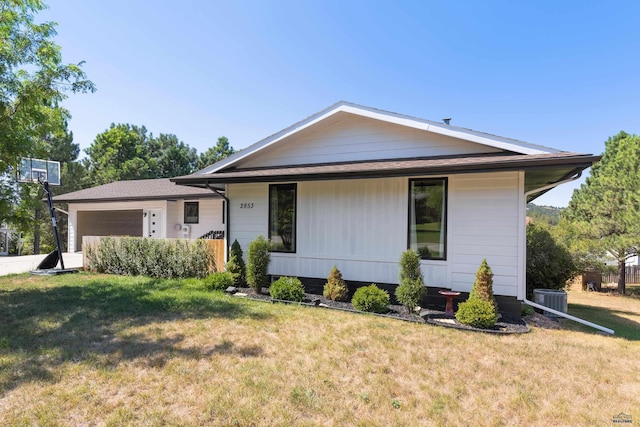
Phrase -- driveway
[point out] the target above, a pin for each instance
(23, 264)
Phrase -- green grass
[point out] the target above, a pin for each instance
(104, 350)
(606, 309)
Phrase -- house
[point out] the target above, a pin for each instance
(354, 186)
(152, 208)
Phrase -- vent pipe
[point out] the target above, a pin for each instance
(447, 121)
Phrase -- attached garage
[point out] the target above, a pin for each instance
(108, 223)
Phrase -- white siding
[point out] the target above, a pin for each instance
(485, 223)
(347, 137)
(361, 227)
(248, 223)
(172, 215)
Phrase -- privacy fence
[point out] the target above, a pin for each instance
(632, 275)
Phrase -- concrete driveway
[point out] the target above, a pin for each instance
(23, 264)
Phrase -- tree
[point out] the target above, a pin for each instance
(119, 153)
(33, 82)
(214, 154)
(605, 210)
(171, 157)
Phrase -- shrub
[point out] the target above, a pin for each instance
(218, 281)
(477, 313)
(409, 293)
(483, 286)
(411, 287)
(549, 264)
(410, 266)
(287, 288)
(258, 259)
(335, 289)
(236, 265)
(370, 298)
(161, 258)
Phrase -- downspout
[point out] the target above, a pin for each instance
(545, 308)
(227, 224)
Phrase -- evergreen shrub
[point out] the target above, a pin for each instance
(258, 259)
(287, 289)
(219, 281)
(477, 313)
(411, 288)
(236, 265)
(370, 298)
(483, 285)
(335, 289)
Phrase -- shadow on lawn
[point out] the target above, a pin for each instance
(610, 318)
(43, 328)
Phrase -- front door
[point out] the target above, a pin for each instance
(155, 222)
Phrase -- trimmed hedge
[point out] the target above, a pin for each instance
(161, 258)
(219, 281)
(478, 313)
(371, 298)
(287, 289)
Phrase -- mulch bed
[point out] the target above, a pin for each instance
(434, 317)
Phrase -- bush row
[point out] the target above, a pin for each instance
(162, 258)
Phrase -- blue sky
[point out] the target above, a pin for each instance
(563, 74)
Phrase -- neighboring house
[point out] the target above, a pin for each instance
(354, 187)
(150, 208)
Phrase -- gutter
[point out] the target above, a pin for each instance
(227, 224)
(545, 308)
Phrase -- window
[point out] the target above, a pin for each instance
(282, 217)
(191, 212)
(427, 217)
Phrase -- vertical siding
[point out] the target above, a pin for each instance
(247, 224)
(361, 226)
(484, 223)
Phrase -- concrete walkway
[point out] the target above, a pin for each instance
(23, 264)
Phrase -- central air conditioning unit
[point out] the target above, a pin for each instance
(186, 230)
(551, 298)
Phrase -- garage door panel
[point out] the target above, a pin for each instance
(109, 223)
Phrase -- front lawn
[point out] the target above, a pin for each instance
(102, 350)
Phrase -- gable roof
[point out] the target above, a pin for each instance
(499, 142)
(140, 189)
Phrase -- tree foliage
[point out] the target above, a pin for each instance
(605, 210)
(33, 82)
(214, 154)
(169, 157)
(549, 263)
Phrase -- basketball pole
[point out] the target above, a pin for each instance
(52, 211)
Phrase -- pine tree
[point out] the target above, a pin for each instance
(483, 286)
(236, 265)
(335, 289)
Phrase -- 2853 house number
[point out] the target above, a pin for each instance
(246, 205)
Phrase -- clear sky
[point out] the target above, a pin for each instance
(565, 74)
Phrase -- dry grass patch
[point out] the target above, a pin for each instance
(101, 350)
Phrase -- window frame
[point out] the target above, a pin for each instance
(294, 237)
(184, 213)
(444, 181)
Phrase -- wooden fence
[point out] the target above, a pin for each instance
(632, 275)
(217, 246)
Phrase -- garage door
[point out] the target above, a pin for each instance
(108, 223)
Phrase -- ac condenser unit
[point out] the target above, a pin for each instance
(551, 298)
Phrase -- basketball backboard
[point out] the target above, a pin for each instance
(31, 170)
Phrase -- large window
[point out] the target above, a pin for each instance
(191, 212)
(282, 217)
(427, 217)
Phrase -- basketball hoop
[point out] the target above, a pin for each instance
(38, 170)
(46, 173)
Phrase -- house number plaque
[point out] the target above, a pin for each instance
(246, 205)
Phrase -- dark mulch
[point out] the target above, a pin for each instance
(504, 326)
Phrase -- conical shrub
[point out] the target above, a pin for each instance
(335, 289)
